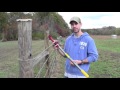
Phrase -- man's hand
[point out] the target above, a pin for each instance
(76, 61)
(55, 45)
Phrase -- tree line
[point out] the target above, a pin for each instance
(106, 30)
(42, 21)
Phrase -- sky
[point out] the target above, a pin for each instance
(92, 20)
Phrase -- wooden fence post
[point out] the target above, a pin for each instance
(25, 44)
(47, 57)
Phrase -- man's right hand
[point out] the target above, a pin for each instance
(55, 45)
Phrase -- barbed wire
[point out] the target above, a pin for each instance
(51, 66)
(32, 59)
(37, 76)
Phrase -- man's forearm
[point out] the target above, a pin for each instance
(61, 53)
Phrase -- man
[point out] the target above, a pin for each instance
(81, 48)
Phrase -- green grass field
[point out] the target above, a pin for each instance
(9, 60)
(107, 66)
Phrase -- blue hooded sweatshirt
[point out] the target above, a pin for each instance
(79, 49)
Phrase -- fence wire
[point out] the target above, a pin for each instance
(9, 53)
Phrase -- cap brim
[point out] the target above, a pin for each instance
(73, 21)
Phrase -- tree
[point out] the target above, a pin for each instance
(12, 24)
(3, 25)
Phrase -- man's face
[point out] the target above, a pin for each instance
(75, 26)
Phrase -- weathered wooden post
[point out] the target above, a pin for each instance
(25, 48)
(47, 57)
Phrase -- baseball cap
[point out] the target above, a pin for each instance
(76, 19)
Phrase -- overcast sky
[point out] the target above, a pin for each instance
(94, 19)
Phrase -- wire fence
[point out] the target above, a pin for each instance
(9, 62)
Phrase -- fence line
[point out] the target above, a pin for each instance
(39, 72)
(26, 60)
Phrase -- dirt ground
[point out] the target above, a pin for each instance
(103, 36)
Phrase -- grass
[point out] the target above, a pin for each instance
(9, 54)
(108, 63)
(107, 66)
(109, 45)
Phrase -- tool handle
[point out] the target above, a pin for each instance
(84, 73)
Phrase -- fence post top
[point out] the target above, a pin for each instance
(24, 20)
